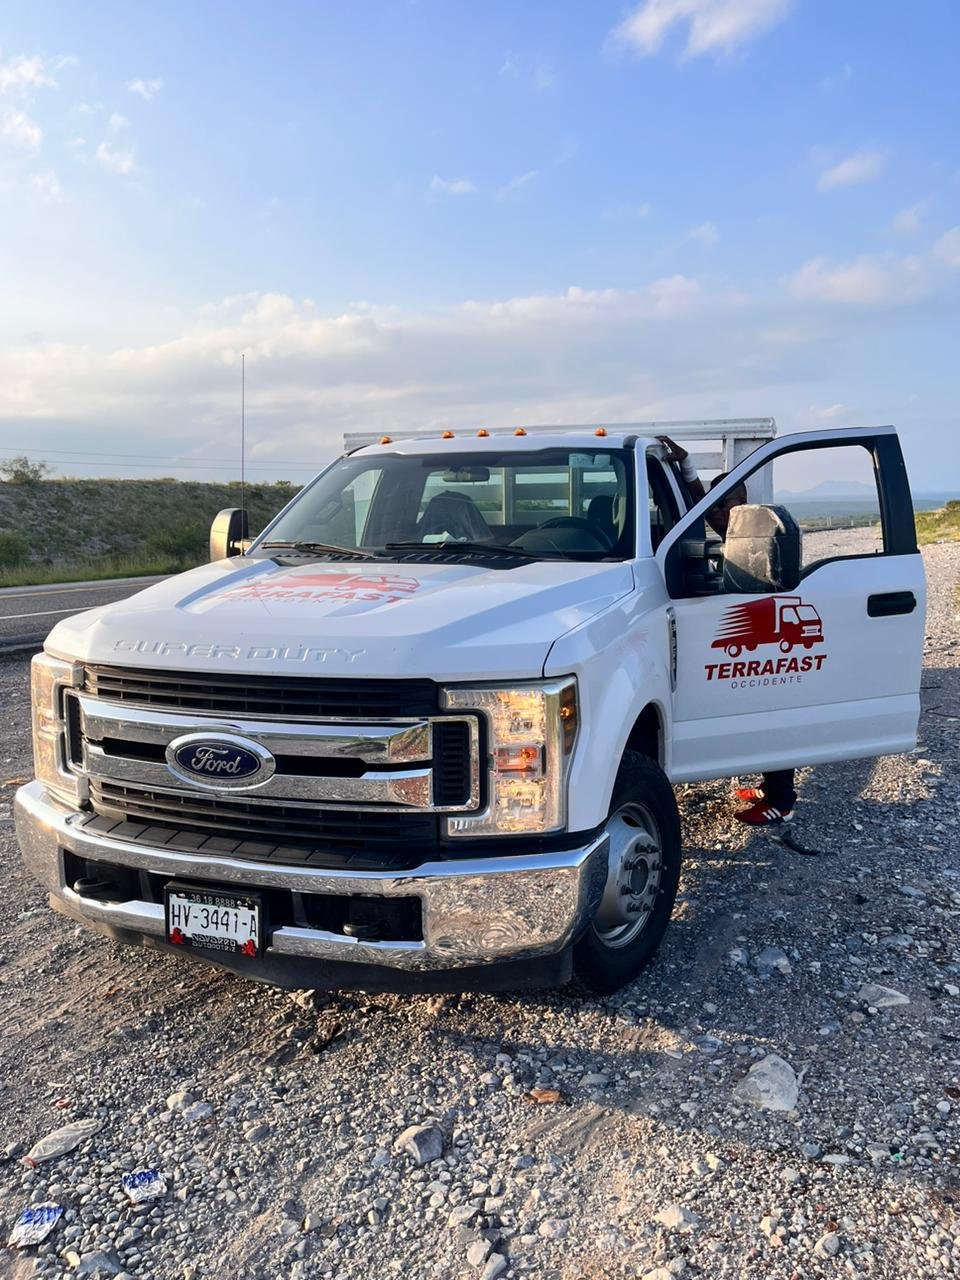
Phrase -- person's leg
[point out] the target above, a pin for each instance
(779, 789)
(775, 803)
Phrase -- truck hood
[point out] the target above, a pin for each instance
(446, 621)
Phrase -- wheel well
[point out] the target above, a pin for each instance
(646, 736)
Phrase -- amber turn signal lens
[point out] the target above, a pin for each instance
(568, 717)
(600, 431)
(446, 435)
(519, 432)
(483, 432)
(386, 439)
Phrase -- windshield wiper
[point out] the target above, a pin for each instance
(473, 548)
(318, 546)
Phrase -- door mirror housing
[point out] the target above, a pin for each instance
(228, 533)
(762, 550)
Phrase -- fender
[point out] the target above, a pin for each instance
(618, 657)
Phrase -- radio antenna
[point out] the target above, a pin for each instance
(243, 434)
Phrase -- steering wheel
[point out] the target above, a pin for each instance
(578, 522)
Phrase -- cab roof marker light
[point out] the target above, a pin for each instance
(519, 432)
(446, 435)
(483, 433)
(386, 440)
(600, 431)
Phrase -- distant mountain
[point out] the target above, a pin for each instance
(831, 489)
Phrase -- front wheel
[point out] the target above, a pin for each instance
(642, 878)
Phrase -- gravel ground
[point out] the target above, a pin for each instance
(274, 1119)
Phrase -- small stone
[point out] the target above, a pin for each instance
(594, 1080)
(478, 1253)
(461, 1215)
(951, 989)
(676, 1217)
(424, 1142)
(658, 1273)
(877, 997)
(98, 1264)
(256, 1132)
(769, 1225)
(828, 1246)
(179, 1101)
(770, 959)
(197, 1111)
(312, 1222)
(738, 955)
(554, 1228)
(496, 1266)
(771, 1084)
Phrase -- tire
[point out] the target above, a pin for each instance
(611, 953)
(786, 646)
(734, 650)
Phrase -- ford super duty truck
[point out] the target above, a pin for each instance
(422, 731)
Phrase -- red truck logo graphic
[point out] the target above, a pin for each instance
(782, 620)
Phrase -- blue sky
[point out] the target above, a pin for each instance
(411, 214)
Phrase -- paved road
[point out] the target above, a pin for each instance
(27, 614)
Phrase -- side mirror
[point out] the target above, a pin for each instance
(762, 550)
(228, 533)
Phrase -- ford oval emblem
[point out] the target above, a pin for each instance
(220, 762)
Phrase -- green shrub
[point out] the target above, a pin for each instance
(184, 541)
(14, 549)
(21, 470)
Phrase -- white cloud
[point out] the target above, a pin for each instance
(713, 26)
(947, 248)
(25, 74)
(20, 129)
(146, 89)
(862, 166)
(115, 159)
(829, 412)
(870, 281)
(707, 234)
(46, 187)
(908, 221)
(627, 212)
(117, 122)
(838, 78)
(544, 77)
(517, 184)
(452, 186)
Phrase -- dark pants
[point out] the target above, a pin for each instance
(778, 789)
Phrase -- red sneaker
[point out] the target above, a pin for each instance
(748, 793)
(762, 814)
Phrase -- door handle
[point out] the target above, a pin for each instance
(888, 603)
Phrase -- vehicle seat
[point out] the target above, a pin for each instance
(601, 512)
(763, 550)
(456, 515)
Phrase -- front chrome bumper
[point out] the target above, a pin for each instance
(478, 911)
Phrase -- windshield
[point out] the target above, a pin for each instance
(545, 504)
(807, 613)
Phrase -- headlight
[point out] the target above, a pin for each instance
(50, 678)
(531, 731)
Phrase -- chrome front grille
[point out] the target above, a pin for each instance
(336, 777)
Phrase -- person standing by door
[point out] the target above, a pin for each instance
(772, 803)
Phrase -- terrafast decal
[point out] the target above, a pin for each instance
(309, 586)
(785, 622)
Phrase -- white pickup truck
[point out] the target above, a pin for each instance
(421, 733)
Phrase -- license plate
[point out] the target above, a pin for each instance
(214, 921)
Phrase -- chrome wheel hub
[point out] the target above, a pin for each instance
(633, 876)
